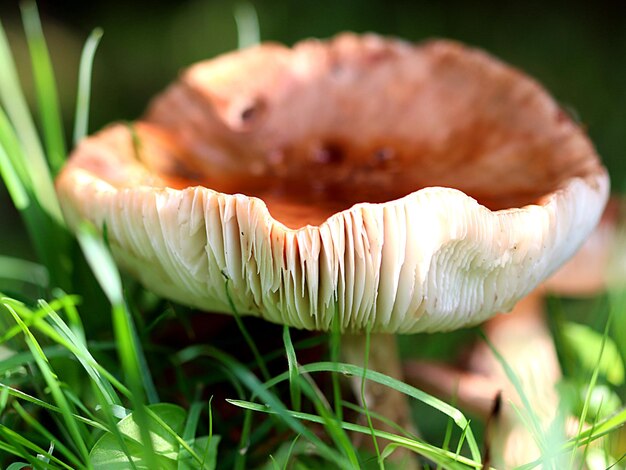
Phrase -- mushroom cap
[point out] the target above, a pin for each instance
(407, 187)
(589, 271)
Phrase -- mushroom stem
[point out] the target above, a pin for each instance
(381, 400)
(475, 393)
(525, 343)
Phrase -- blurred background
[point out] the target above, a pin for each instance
(576, 49)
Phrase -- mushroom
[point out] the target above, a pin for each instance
(380, 184)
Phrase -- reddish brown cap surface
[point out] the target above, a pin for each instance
(414, 187)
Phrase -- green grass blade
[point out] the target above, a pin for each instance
(144, 369)
(335, 353)
(45, 87)
(445, 458)
(587, 444)
(110, 420)
(103, 267)
(51, 242)
(14, 103)
(244, 441)
(55, 387)
(294, 384)
(351, 370)
(383, 419)
(306, 343)
(248, 33)
(85, 357)
(34, 423)
(533, 422)
(23, 270)
(130, 366)
(251, 344)
(601, 429)
(189, 432)
(73, 317)
(81, 124)
(363, 400)
(210, 426)
(20, 395)
(290, 451)
(101, 263)
(593, 381)
(12, 181)
(30, 319)
(13, 148)
(68, 345)
(25, 358)
(261, 390)
(21, 444)
(331, 424)
(193, 418)
(447, 438)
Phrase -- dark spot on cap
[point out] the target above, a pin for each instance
(250, 113)
(383, 154)
(329, 154)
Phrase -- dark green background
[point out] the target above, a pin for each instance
(576, 49)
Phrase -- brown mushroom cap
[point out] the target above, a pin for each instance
(416, 187)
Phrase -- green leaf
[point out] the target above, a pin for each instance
(108, 452)
(603, 402)
(18, 466)
(586, 343)
(206, 447)
(164, 443)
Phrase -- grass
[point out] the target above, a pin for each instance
(95, 372)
